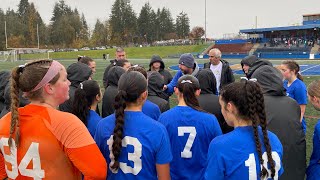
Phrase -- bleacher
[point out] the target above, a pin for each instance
(234, 48)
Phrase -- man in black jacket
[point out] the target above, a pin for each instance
(220, 68)
(283, 118)
(252, 63)
(120, 55)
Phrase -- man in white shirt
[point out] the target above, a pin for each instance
(220, 68)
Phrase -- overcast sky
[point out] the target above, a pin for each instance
(223, 16)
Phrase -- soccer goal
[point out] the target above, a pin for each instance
(8, 56)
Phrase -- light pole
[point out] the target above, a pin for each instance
(205, 21)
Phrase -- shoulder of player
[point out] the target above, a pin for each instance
(299, 84)
(317, 127)
(221, 142)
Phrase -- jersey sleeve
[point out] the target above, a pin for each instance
(215, 169)
(3, 173)
(77, 142)
(164, 154)
(89, 161)
(300, 95)
(173, 83)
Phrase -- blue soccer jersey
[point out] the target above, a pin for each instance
(92, 121)
(190, 134)
(313, 171)
(145, 143)
(150, 109)
(298, 91)
(233, 156)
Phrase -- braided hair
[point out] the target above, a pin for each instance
(249, 101)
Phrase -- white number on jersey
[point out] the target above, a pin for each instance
(31, 155)
(251, 163)
(186, 153)
(135, 156)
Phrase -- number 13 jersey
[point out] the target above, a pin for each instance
(145, 143)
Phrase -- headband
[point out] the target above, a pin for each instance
(53, 70)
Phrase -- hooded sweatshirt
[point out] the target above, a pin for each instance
(256, 65)
(77, 73)
(174, 81)
(283, 116)
(155, 92)
(7, 100)
(249, 61)
(4, 79)
(165, 73)
(208, 99)
(111, 91)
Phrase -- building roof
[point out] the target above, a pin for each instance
(311, 15)
(285, 28)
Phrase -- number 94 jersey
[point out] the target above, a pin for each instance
(234, 156)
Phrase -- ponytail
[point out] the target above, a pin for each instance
(15, 124)
(293, 66)
(81, 106)
(119, 106)
(190, 97)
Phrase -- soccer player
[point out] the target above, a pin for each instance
(250, 151)
(190, 131)
(86, 99)
(296, 89)
(38, 141)
(134, 145)
(313, 171)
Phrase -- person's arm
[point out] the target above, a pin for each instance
(231, 77)
(3, 173)
(163, 171)
(78, 145)
(170, 87)
(303, 110)
(105, 77)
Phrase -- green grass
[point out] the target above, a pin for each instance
(310, 111)
(132, 53)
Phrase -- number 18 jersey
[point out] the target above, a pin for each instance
(234, 156)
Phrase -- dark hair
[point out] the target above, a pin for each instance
(130, 87)
(188, 85)
(140, 69)
(25, 78)
(293, 66)
(85, 60)
(122, 62)
(84, 97)
(249, 101)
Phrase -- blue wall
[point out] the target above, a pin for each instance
(311, 22)
(284, 56)
(228, 56)
(232, 41)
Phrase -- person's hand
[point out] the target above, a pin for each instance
(165, 87)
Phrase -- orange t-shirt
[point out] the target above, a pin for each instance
(53, 145)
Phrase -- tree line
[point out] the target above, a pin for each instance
(68, 27)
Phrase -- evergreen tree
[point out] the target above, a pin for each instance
(182, 25)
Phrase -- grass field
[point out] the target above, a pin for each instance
(132, 52)
(311, 114)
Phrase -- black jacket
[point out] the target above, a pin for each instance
(4, 79)
(111, 91)
(156, 93)
(208, 100)
(105, 74)
(283, 116)
(257, 64)
(226, 74)
(7, 100)
(77, 73)
(165, 73)
(249, 61)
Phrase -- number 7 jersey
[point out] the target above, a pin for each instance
(190, 132)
